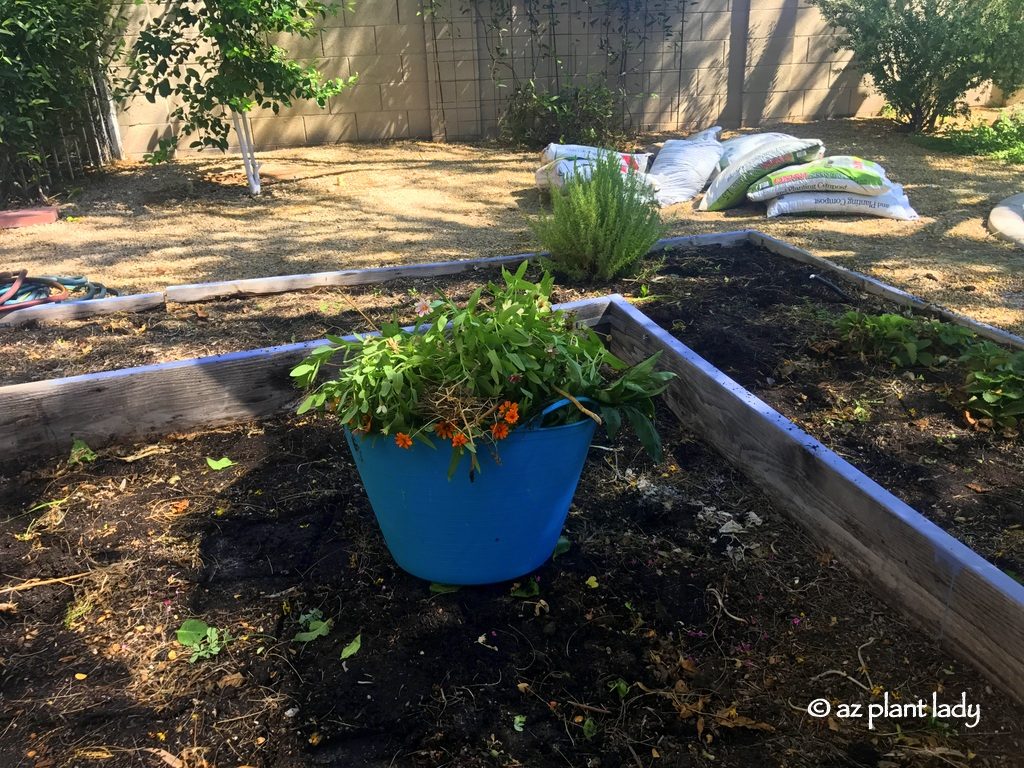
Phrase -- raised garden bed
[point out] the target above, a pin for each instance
(961, 601)
(716, 636)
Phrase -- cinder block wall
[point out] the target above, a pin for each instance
(733, 62)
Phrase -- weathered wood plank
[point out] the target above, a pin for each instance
(74, 310)
(43, 417)
(959, 598)
(349, 277)
(878, 288)
(258, 286)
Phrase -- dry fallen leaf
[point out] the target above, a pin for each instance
(729, 718)
(234, 680)
(166, 756)
(978, 488)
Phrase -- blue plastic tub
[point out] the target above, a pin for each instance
(500, 525)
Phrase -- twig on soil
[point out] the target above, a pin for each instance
(721, 604)
(860, 658)
(588, 708)
(636, 757)
(840, 673)
(33, 583)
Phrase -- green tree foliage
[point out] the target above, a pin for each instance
(212, 56)
(925, 55)
(51, 51)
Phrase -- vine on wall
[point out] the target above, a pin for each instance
(564, 64)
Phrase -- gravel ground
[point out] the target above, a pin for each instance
(139, 228)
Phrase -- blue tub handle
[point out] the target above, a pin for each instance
(561, 403)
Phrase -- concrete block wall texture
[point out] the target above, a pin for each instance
(734, 62)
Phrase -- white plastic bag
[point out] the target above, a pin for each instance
(552, 152)
(730, 186)
(841, 173)
(556, 174)
(893, 204)
(683, 167)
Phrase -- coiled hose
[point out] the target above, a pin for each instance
(18, 290)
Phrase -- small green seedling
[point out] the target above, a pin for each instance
(444, 589)
(519, 722)
(314, 626)
(352, 648)
(529, 588)
(589, 728)
(203, 640)
(620, 687)
(218, 464)
(563, 546)
(81, 453)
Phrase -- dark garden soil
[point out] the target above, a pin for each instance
(688, 624)
(759, 317)
(768, 324)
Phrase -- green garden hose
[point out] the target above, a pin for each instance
(18, 290)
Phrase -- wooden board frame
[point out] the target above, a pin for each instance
(961, 600)
(42, 418)
(76, 310)
(262, 286)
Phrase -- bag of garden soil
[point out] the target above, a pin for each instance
(683, 167)
(733, 149)
(552, 152)
(730, 186)
(892, 204)
(841, 173)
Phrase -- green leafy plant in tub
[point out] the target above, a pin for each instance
(469, 375)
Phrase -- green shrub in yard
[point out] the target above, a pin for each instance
(600, 227)
(585, 114)
(925, 55)
(1003, 140)
(52, 52)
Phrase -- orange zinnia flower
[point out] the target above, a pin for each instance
(444, 429)
(459, 440)
(499, 430)
(512, 413)
(402, 440)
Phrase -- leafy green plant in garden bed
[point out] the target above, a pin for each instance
(202, 640)
(601, 227)
(993, 388)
